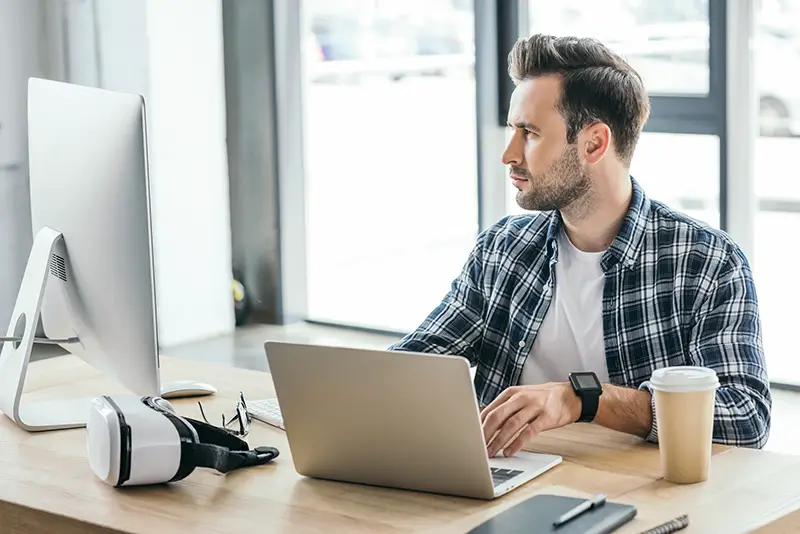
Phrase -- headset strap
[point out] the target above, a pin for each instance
(219, 449)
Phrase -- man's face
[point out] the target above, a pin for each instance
(547, 172)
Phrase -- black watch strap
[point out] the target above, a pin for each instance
(589, 403)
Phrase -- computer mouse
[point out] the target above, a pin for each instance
(186, 388)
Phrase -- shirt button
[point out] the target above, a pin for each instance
(521, 343)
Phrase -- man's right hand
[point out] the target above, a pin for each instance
(519, 413)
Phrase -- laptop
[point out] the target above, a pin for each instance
(393, 419)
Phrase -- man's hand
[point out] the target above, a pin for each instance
(521, 412)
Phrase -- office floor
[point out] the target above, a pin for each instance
(245, 348)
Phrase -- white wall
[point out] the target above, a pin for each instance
(171, 52)
(19, 59)
(121, 45)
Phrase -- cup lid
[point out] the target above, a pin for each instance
(684, 379)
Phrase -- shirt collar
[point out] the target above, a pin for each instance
(627, 244)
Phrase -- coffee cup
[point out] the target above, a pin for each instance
(684, 399)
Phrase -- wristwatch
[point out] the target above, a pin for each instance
(588, 388)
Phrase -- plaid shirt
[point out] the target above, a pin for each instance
(676, 292)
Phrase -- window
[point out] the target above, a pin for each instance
(688, 183)
(666, 42)
(775, 260)
(391, 164)
(682, 171)
(775, 270)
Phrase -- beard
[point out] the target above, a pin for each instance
(562, 185)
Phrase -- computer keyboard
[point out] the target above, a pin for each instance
(267, 411)
(499, 476)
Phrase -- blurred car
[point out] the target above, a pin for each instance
(391, 46)
(340, 36)
(673, 59)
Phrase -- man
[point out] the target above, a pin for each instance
(602, 279)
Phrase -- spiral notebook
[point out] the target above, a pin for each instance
(537, 514)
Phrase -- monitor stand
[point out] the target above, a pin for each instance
(15, 355)
(17, 345)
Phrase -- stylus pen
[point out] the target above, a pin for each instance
(588, 504)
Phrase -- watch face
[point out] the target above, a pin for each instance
(586, 381)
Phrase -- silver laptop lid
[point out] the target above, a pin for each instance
(384, 418)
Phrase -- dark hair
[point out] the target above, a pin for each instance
(597, 85)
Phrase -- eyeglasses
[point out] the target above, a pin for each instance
(240, 415)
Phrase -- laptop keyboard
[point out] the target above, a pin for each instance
(267, 411)
(499, 476)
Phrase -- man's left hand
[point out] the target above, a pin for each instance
(521, 412)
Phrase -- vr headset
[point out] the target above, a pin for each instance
(135, 441)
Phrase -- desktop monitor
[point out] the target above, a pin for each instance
(90, 271)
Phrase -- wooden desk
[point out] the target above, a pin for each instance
(46, 484)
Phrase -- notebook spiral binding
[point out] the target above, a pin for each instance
(670, 526)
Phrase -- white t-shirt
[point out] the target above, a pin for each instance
(570, 338)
